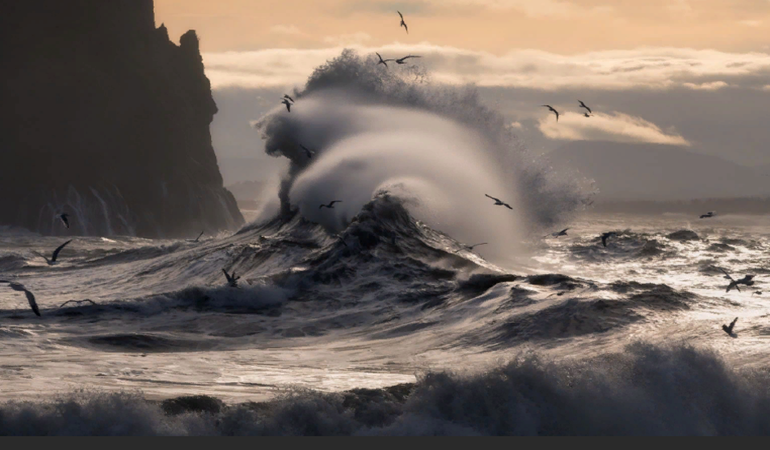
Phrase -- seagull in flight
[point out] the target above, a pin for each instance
(30, 297)
(286, 97)
(747, 280)
(707, 215)
(553, 110)
(583, 105)
(499, 202)
(288, 104)
(52, 261)
(330, 205)
(383, 61)
(308, 152)
(560, 233)
(471, 247)
(403, 24)
(402, 60)
(198, 238)
(605, 236)
(63, 218)
(729, 330)
(232, 280)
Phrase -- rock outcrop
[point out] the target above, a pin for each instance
(104, 118)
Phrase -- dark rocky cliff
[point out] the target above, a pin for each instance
(103, 117)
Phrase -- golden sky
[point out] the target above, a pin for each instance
(495, 26)
(681, 72)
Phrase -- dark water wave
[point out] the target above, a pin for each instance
(646, 390)
(382, 275)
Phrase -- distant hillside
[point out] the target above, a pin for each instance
(658, 172)
(247, 193)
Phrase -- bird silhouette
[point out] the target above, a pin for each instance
(471, 247)
(402, 60)
(64, 220)
(330, 205)
(747, 280)
(605, 236)
(308, 152)
(499, 202)
(553, 110)
(341, 239)
(55, 254)
(559, 233)
(403, 24)
(232, 280)
(383, 61)
(30, 297)
(729, 330)
(583, 105)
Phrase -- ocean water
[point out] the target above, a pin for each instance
(373, 318)
(580, 340)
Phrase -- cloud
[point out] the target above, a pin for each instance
(617, 127)
(712, 86)
(348, 39)
(536, 8)
(290, 30)
(517, 125)
(643, 68)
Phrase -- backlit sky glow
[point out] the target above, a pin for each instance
(694, 73)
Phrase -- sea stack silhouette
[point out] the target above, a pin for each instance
(108, 121)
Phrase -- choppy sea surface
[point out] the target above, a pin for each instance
(391, 328)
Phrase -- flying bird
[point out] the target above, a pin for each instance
(583, 105)
(30, 297)
(747, 280)
(403, 24)
(707, 215)
(757, 293)
(330, 205)
(401, 61)
(52, 261)
(471, 247)
(287, 97)
(198, 238)
(308, 152)
(729, 330)
(499, 202)
(554, 111)
(605, 236)
(383, 61)
(560, 233)
(63, 218)
(232, 280)
(288, 104)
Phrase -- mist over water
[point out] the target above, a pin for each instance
(436, 147)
